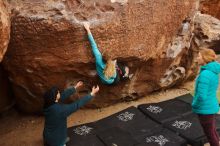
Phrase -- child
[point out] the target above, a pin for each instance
(110, 72)
(55, 127)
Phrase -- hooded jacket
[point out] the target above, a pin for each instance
(100, 64)
(205, 99)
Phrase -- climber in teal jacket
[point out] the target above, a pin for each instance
(110, 72)
(55, 126)
(205, 103)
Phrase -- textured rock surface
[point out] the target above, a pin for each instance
(207, 32)
(6, 100)
(211, 7)
(49, 46)
(4, 28)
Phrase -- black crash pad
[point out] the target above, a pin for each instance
(189, 128)
(143, 128)
(186, 98)
(84, 135)
(115, 136)
(123, 119)
(165, 111)
(164, 137)
(130, 120)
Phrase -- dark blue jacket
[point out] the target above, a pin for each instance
(55, 127)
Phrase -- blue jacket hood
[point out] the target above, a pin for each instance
(212, 66)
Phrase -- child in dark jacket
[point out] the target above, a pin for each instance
(55, 127)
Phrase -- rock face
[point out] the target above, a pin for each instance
(211, 7)
(6, 100)
(49, 46)
(4, 28)
(207, 32)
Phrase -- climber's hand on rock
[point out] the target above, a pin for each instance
(126, 72)
(86, 25)
(94, 90)
(78, 84)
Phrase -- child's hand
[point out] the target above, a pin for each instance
(94, 90)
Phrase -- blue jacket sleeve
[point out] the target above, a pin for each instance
(67, 93)
(202, 88)
(95, 50)
(70, 108)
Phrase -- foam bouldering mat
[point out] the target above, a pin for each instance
(84, 135)
(189, 128)
(164, 137)
(123, 119)
(116, 136)
(88, 141)
(143, 128)
(186, 98)
(166, 110)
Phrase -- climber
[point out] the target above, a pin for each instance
(55, 126)
(110, 72)
(205, 102)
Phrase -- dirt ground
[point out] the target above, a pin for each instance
(17, 129)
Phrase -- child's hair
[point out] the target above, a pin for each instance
(50, 97)
(110, 69)
(208, 55)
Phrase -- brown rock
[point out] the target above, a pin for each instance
(4, 28)
(49, 46)
(211, 7)
(6, 100)
(207, 30)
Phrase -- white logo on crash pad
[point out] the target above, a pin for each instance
(182, 124)
(83, 130)
(155, 109)
(161, 140)
(126, 116)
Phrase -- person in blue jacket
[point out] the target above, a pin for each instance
(205, 102)
(110, 72)
(55, 126)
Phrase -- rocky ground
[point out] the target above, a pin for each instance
(26, 130)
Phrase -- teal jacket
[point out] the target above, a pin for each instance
(100, 64)
(205, 99)
(55, 126)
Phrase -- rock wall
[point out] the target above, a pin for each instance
(6, 96)
(207, 32)
(5, 100)
(4, 28)
(211, 7)
(49, 46)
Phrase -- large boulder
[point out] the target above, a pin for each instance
(4, 28)
(207, 32)
(211, 7)
(5, 100)
(6, 96)
(49, 46)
